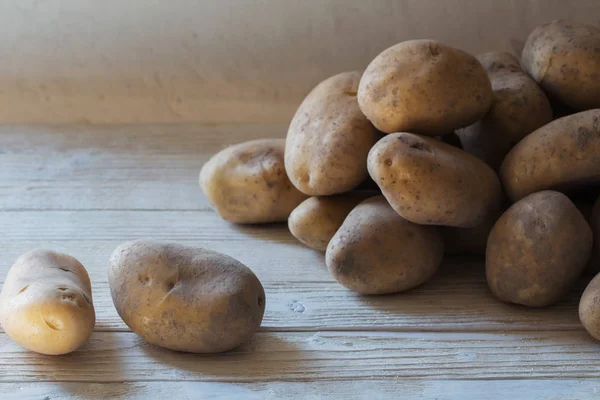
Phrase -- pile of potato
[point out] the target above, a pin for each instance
(432, 151)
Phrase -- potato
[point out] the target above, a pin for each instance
(317, 219)
(329, 139)
(564, 58)
(589, 308)
(424, 87)
(433, 183)
(247, 184)
(519, 108)
(184, 298)
(564, 154)
(46, 303)
(376, 251)
(537, 250)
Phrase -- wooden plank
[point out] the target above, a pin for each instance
(558, 389)
(322, 356)
(302, 296)
(126, 167)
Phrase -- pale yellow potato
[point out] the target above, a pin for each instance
(329, 139)
(424, 87)
(376, 251)
(564, 154)
(430, 182)
(46, 303)
(317, 219)
(247, 184)
(185, 298)
(520, 107)
(563, 57)
(537, 250)
(589, 308)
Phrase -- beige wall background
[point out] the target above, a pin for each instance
(213, 61)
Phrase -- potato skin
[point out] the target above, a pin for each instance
(329, 139)
(520, 107)
(376, 251)
(589, 308)
(433, 183)
(424, 87)
(563, 154)
(247, 184)
(46, 303)
(563, 56)
(317, 219)
(184, 298)
(537, 250)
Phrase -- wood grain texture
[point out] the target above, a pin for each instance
(564, 389)
(321, 356)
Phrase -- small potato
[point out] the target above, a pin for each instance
(537, 250)
(46, 303)
(563, 56)
(184, 298)
(564, 154)
(317, 219)
(433, 183)
(519, 108)
(589, 308)
(329, 139)
(247, 184)
(376, 251)
(425, 87)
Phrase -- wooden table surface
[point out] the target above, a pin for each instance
(84, 190)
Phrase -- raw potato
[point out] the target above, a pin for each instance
(425, 87)
(329, 139)
(564, 58)
(565, 154)
(376, 251)
(433, 183)
(247, 184)
(519, 108)
(46, 303)
(537, 250)
(317, 219)
(589, 308)
(185, 298)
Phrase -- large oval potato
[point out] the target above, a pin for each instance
(185, 298)
(425, 87)
(329, 139)
(247, 184)
(561, 155)
(589, 308)
(519, 108)
(537, 250)
(46, 303)
(563, 56)
(317, 219)
(430, 182)
(376, 251)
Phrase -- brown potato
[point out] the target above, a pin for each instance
(430, 182)
(317, 219)
(564, 58)
(46, 303)
(589, 308)
(425, 87)
(519, 108)
(329, 139)
(184, 298)
(247, 184)
(376, 251)
(537, 250)
(564, 154)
